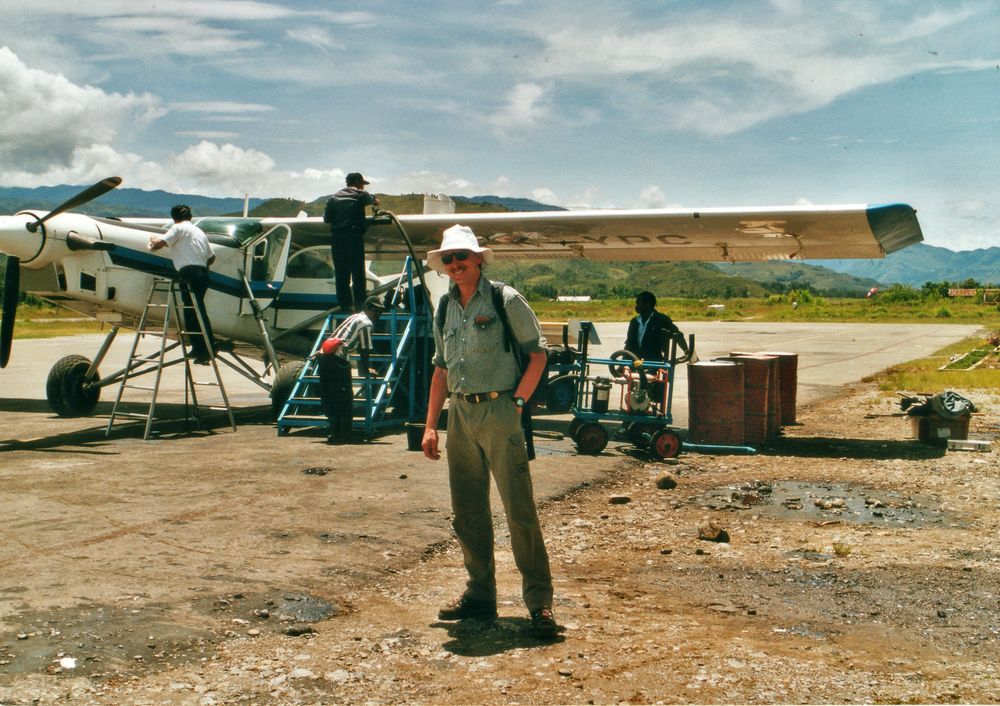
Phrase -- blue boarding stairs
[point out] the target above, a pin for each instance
(402, 347)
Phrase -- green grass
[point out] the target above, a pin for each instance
(51, 321)
(959, 311)
(925, 374)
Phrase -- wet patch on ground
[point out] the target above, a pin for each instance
(267, 612)
(134, 636)
(827, 503)
(102, 640)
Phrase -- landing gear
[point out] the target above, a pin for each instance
(69, 390)
(284, 381)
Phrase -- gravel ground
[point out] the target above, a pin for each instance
(861, 566)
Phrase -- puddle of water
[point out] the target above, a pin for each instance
(833, 502)
(305, 608)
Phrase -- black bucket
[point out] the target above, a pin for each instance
(414, 436)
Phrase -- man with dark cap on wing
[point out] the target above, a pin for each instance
(345, 212)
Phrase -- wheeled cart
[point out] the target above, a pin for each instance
(634, 393)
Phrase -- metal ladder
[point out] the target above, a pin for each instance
(165, 298)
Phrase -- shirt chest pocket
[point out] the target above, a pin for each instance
(486, 338)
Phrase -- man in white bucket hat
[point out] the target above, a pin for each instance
(487, 389)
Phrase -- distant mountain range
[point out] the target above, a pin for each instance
(912, 266)
(120, 202)
(924, 263)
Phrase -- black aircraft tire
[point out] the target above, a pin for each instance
(65, 388)
(284, 381)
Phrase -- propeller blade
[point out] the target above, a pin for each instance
(88, 194)
(11, 292)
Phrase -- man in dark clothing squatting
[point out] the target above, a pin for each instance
(354, 335)
(345, 212)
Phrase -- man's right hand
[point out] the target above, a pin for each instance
(430, 444)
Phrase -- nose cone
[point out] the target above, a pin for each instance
(17, 240)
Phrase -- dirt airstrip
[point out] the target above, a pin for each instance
(861, 566)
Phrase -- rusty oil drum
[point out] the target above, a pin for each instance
(716, 405)
(760, 376)
(788, 382)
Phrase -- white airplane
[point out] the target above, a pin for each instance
(271, 284)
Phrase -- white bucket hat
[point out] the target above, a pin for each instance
(457, 238)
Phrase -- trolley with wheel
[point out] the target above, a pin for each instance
(641, 404)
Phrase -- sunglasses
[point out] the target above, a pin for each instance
(461, 255)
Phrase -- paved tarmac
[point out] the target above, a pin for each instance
(829, 355)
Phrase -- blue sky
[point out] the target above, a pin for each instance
(579, 104)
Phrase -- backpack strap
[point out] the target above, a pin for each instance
(441, 313)
(496, 290)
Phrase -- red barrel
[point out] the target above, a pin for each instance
(716, 403)
(759, 420)
(788, 378)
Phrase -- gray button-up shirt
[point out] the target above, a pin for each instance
(471, 345)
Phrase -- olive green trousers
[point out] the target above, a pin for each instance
(484, 439)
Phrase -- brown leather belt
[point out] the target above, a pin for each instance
(477, 397)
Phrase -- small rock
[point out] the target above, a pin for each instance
(710, 531)
(563, 672)
(666, 481)
(298, 630)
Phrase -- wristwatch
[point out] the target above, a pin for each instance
(519, 402)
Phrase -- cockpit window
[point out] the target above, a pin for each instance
(311, 263)
(243, 229)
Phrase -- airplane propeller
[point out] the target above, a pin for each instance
(12, 272)
(89, 194)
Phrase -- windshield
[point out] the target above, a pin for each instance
(243, 229)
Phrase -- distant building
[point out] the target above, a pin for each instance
(989, 295)
(582, 298)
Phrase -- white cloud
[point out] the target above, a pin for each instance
(209, 134)
(545, 195)
(45, 119)
(315, 37)
(226, 166)
(89, 165)
(222, 107)
(652, 197)
(228, 10)
(718, 74)
(523, 109)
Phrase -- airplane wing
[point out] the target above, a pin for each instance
(711, 234)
